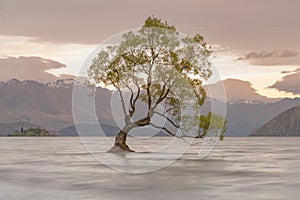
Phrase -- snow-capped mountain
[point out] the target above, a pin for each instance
(62, 83)
(47, 105)
(50, 106)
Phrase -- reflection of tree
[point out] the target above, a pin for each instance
(161, 69)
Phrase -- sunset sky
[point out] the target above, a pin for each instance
(257, 41)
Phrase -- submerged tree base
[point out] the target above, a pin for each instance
(120, 149)
(120, 145)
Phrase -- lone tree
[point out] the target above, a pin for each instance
(163, 70)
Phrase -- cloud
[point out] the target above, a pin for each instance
(29, 68)
(289, 83)
(72, 55)
(276, 57)
(241, 90)
(287, 72)
(226, 22)
(273, 54)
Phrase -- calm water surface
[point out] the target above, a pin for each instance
(237, 168)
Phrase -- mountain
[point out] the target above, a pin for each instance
(246, 109)
(49, 106)
(108, 130)
(89, 130)
(243, 118)
(286, 123)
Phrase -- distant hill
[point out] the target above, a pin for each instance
(89, 130)
(244, 118)
(32, 132)
(286, 123)
(49, 106)
(8, 128)
(93, 130)
(46, 105)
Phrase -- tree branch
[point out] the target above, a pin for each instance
(165, 129)
(122, 99)
(173, 123)
(172, 108)
(173, 134)
(136, 97)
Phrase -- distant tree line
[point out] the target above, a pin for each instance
(31, 132)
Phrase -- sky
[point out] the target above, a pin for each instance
(256, 41)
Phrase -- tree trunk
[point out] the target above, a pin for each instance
(120, 140)
(120, 143)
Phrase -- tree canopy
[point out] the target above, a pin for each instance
(165, 70)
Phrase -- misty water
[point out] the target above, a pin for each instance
(237, 168)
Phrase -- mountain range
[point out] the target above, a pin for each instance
(49, 105)
(46, 105)
(244, 118)
(286, 123)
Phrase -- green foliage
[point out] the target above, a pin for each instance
(212, 123)
(158, 66)
(32, 132)
(157, 23)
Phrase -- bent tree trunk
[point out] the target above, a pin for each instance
(120, 140)
(120, 143)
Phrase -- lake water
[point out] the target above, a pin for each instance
(237, 168)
